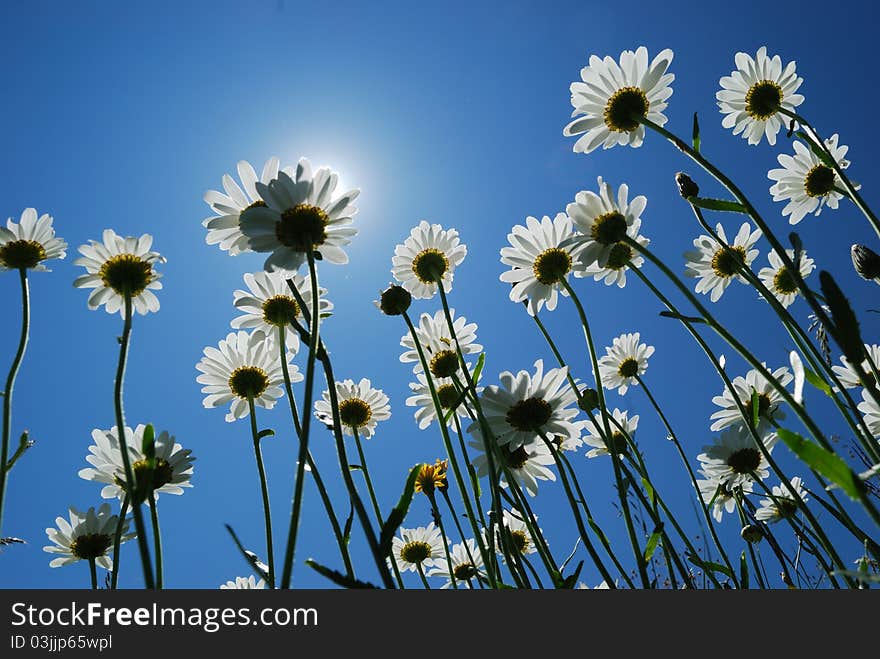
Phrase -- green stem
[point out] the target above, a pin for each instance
(314, 342)
(10, 383)
(312, 465)
(435, 513)
(130, 483)
(449, 449)
(371, 490)
(94, 573)
(157, 541)
(615, 459)
(691, 474)
(117, 541)
(421, 572)
(264, 490)
(572, 500)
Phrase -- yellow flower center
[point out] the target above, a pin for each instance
(126, 274)
(629, 368)
(619, 256)
(763, 99)
(726, 261)
(529, 414)
(551, 266)
(90, 545)
(280, 310)
(302, 228)
(248, 381)
(744, 460)
(609, 228)
(819, 181)
(22, 254)
(624, 109)
(783, 282)
(444, 364)
(415, 552)
(354, 413)
(430, 265)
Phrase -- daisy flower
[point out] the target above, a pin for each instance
(87, 536)
(430, 254)
(223, 228)
(519, 533)
(418, 547)
(768, 399)
(301, 214)
(868, 407)
(439, 344)
(618, 439)
(540, 257)
(623, 361)
(361, 407)
(467, 565)
(719, 493)
(847, 374)
(866, 262)
(527, 406)
(25, 244)
(716, 264)
(269, 304)
(243, 366)
(778, 279)
(118, 267)
(172, 473)
(806, 182)
(447, 394)
(432, 477)
(614, 96)
(604, 221)
(620, 258)
(734, 459)
(527, 464)
(750, 97)
(780, 504)
(244, 583)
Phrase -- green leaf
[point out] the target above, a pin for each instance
(353, 467)
(743, 571)
(678, 316)
(398, 513)
(249, 556)
(478, 369)
(652, 543)
(267, 432)
(756, 408)
(820, 153)
(709, 565)
(846, 325)
(823, 461)
(718, 204)
(798, 246)
(598, 531)
(817, 382)
(569, 582)
(148, 444)
(696, 134)
(649, 489)
(346, 530)
(337, 577)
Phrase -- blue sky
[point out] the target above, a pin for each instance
(123, 116)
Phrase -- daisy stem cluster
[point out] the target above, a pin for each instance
(615, 458)
(5, 465)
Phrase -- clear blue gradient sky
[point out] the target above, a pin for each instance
(122, 115)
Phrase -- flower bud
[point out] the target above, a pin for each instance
(394, 301)
(686, 186)
(866, 262)
(751, 533)
(588, 400)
